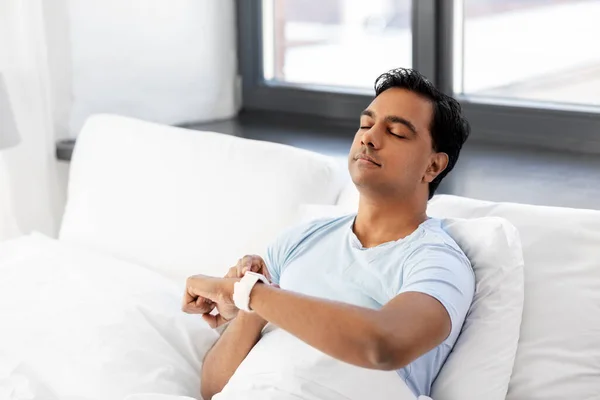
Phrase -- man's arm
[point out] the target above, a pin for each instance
(408, 326)
(230, 350)
(390, 338)
(436, 291)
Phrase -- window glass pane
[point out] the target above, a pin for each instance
(345, 43)
(541, 50)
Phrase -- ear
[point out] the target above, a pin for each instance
(437, 164)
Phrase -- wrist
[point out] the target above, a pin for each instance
(226, 289)
(251, 318)
(256, 293)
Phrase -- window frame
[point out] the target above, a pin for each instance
(513, 122)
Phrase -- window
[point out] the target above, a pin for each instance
(527, 72)
(535, 50)
(343, 43)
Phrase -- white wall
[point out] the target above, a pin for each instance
(165, 61)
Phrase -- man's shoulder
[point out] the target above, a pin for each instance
(435, 236)
(435, 244)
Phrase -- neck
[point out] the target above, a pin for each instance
(384, 220)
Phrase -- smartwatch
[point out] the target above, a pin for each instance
(242, 289)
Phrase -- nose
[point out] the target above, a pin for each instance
(371, 138)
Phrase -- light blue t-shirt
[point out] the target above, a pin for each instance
(325, 259)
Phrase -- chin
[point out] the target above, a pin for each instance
(363, 182)
(367, 185)
(363, 175)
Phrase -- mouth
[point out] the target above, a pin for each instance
(366, 158)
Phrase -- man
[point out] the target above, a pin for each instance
(384, 289)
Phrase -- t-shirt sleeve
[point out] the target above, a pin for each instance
(282, 250)
(445, 274)
(276, 255)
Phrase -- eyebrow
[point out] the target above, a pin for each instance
(394, 119)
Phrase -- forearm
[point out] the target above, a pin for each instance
(346, 332)
(229, 351)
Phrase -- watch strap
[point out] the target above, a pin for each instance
(243, 288)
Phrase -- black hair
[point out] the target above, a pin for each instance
(449, 128)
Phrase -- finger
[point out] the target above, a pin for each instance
(214, 321)
(187, 299)
(261, 267)
(246, 264)
(242, 266)
(232, 272)
(258, 265)
(210, 319)
(202, 302)
(195, 304)
(203, 286)
(238, 269)
(250, 263)
(198, 308)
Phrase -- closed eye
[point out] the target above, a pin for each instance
(398, 136)
(365, 127)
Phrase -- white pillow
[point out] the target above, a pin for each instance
(482, 360)
(558, 356)
(481, 363)
(182, 201)
(348, 198)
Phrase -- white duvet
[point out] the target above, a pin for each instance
(76, 325)
(281, 367)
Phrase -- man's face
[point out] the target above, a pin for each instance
(392, 152)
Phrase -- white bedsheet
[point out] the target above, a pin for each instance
(75, 325)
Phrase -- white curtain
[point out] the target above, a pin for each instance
(31, 181)
(167, 61)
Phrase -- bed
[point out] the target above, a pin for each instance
(95, 313)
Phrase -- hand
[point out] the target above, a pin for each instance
(252, 263)
(204, 293)
(226, 309)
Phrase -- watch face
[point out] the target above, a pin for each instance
(260, 277)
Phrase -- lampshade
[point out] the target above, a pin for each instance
(9, 135)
